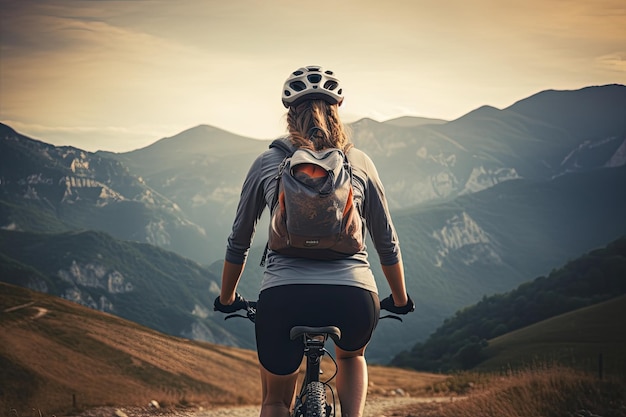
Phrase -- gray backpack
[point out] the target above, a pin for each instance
(313, 214)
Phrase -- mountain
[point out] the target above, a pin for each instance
(485, 243)
(492, 241)
(543, 136)
(201, 170)
(460, 342)
(409, 121)
(481, 203)
(59, 358)
(44, 188)
(136, 281)
(454, 252)
(488, 146)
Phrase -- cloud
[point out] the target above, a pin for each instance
(93, 138)
(133, 64)
(615, 62)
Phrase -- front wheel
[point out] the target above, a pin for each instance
(315, 403)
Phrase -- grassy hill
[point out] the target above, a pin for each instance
(460, 341)
(576, 339)
(57, 356)
(551, 369)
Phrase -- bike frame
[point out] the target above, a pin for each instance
(314, 339)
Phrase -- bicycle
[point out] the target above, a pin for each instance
(312, 400)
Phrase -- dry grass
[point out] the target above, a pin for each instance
(548, 392)
(73, 358)
(385, 381)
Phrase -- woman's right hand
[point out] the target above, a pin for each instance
(389, 305)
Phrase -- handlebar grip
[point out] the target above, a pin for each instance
(388, 304)
(240, 303)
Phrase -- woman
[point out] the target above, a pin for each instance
(291, 284)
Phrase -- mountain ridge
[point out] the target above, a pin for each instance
(475, 202)
(60, 188)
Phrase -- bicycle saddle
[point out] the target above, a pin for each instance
(299, 331)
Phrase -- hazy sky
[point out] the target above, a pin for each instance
(119, 75)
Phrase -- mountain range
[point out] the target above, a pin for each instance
(538, 138)
(481, 204)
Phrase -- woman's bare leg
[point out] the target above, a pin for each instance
(351, 381)
(278, 393)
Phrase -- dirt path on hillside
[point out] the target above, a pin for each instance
(40, 310)
(375, 407)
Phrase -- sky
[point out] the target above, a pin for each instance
(120, 75)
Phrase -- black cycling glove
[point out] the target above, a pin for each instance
(387, 304)
(240, 303)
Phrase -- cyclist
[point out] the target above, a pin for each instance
(301, 291)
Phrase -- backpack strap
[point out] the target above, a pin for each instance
(346, 149)
(285, 145)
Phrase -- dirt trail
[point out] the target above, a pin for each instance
(375, 407)
(40, 310)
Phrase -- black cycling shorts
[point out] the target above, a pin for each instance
(354, 310)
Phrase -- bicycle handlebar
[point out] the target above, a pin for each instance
(389, 305)
(250, 308)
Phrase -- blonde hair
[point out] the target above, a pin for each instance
(315, 124)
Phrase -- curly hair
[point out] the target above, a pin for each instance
(315, 124)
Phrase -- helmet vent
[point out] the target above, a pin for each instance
(330, 85)
(314, 78)
(297, 86)
(298, 72)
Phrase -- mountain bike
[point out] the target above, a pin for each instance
(312, 400)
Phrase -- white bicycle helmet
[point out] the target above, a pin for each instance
(312, 83)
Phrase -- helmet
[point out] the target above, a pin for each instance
(312, 82)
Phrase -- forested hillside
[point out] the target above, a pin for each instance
(458, 343)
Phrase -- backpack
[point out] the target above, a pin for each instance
(313, 214)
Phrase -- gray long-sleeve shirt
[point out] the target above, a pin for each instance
(258, 192)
